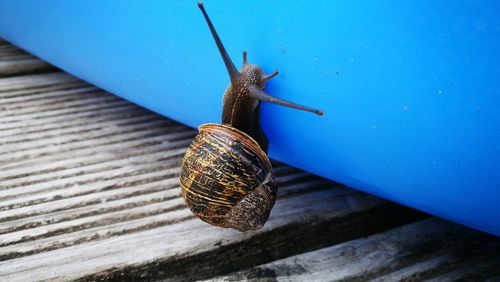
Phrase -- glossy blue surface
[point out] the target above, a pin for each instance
(410, 89)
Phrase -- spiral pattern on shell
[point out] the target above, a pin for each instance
(226, 178)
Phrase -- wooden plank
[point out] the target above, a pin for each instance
(14, 61)
(176, 241)
(22, 65)
(89, 190)
(9, 85)
(8, 52)
(431, 250)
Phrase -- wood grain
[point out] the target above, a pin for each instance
(89, 190)
(89, 187)
(431, 250)
(14, 61)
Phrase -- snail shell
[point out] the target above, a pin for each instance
(226, 178)
(226, 175)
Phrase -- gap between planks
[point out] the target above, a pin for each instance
(431, 250)
(89, 190)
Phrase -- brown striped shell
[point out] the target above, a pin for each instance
(226, 178)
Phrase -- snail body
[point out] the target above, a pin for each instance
(226, 176)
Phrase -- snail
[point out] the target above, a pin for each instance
(226, 176)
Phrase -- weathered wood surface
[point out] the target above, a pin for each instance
(14, 61)
(431, 250)
(89, 191)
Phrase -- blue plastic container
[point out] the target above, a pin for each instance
(410, 89)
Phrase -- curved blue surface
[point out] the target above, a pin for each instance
(409, 88)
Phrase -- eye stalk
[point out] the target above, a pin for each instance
(234, 74)
(226, 176)
(231, 69)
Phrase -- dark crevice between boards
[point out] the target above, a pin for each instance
(95, 237)
(109, 220)
(100, 211)
(27, 90)
(34, 67)
(15, 61)
(165, 165)
(477, 258)
(102, 189)
(279, 243)
(476, 253)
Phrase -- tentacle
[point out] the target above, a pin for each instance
(256, 93)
